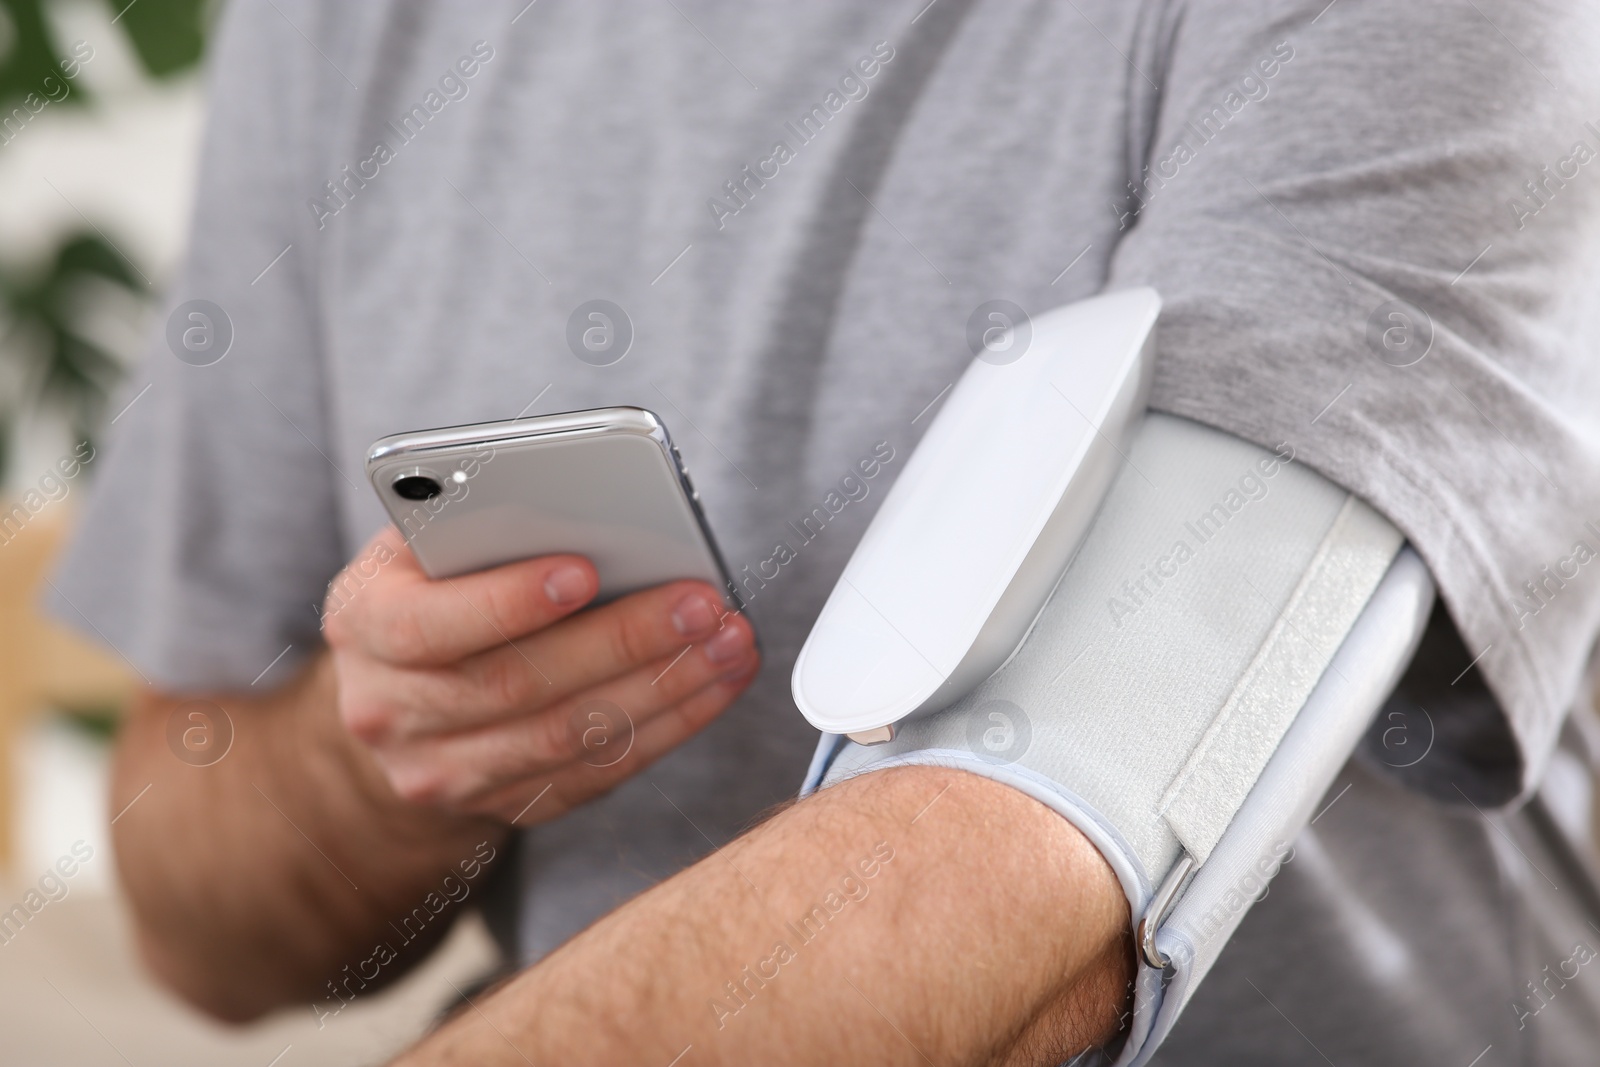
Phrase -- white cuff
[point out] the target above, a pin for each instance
(1200, 727)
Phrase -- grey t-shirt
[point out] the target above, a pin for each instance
(1376, 229)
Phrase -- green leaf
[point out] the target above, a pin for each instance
(68, 370)
(168, 35)
(90, 254)
(29, 64)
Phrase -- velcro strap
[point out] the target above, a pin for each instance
(1208, 790)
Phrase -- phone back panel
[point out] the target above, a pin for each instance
(613, 491)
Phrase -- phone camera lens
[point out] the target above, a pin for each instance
(417, 487)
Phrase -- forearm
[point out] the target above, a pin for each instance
(256, 879)
(989, 931)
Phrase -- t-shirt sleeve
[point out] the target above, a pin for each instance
(1376, 228)
(212, 527)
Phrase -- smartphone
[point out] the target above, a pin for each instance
(605, 483)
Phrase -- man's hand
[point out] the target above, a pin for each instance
(255, 879)
(909, 916)
(480, 694)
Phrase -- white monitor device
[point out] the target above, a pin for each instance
(985, 517)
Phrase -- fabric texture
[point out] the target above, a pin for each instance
(402, 206)
(1207, 791)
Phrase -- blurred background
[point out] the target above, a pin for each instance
(101, 108)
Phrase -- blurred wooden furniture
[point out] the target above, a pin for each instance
(41, 662)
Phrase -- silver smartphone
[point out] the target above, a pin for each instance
(605, 483)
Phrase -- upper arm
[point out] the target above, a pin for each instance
(1377, 235)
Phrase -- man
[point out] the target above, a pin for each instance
(1374, 233)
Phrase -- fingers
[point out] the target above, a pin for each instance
(383, 605)
(381, 703)
(595, 730)
(533, 801)
(599, 645)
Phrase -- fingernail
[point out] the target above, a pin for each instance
(566, 585)
(727, 644)
(694, 615)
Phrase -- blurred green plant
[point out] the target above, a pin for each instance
(169, 35)
(27, 53)
(64, 370)
(42, 302)
(98, 723)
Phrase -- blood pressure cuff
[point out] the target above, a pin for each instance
(1208, 662)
